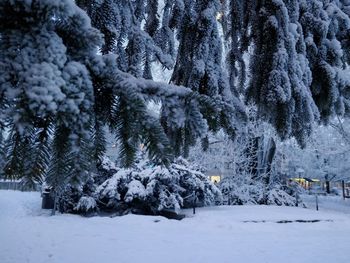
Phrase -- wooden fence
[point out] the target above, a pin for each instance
(17, 185)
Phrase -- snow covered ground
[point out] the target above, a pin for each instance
(216, 234)
(328, 203)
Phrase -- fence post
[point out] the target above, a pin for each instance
(316, 202)
(194, 202)
(343, 188)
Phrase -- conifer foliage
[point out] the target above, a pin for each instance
(199, 67)
(297, 57)
(44, 83)
(281, 85)
(59, 93)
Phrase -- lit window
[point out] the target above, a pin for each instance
(219, 15)
(215, 178)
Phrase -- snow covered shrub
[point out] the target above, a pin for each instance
(241, 192)
(249, 165)
(141, 191)
(236, 191)
(77, 198)
(280, 197)
(193, 181)
(86, 204)
(68, 199)
(150, 189)
(105, 170)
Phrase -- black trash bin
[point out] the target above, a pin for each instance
(47, 202)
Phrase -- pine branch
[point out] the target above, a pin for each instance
(60, 164)
(126, 129)
(99, 139)
(15, 149)
(37, 161)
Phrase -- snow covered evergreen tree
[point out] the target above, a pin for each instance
(291, 43)
(59, 93)
(325, 27)
(44, 81)
(148, 40)
(236, 19)
(134, 34)
(280, 82)
(199, 67)
(61, 85)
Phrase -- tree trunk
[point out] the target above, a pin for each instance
(269, 154)
(328, 189)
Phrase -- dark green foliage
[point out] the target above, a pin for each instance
(156, 142)
(235, 25)
(99, 141)
(325, 25)
(59, 169)
(198, 66)
(16, 150)
(69, 198)
(38, 158)
(46, 88)
(126, 129)
(134, 126)
(281, 79)
(27, 157)
(183, 137)
(297, 52)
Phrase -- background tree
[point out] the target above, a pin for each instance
(248, 165)
(326, 156)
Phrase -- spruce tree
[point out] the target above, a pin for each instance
(236, 18)
(280, 83)
(325, 27)
(59, 93)
(291, 44)
(45, 82)
(199, 67)
(154, 42)
(121, 22)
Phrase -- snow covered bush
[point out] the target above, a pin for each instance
(140, 191)
(280, 197)
(86, 204)
(242, 192)
(237, 191)
(150, 189)
(192, 181)
(105, 170)
(77, 198)
(249, 165)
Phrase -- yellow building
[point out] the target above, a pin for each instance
(306, 183)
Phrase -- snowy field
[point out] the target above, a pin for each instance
(218, 234)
